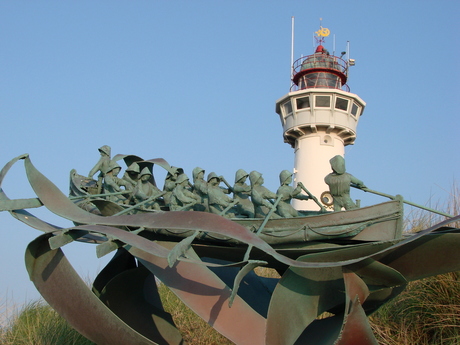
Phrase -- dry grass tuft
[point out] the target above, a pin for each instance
(38, 324)
(194, 330)
(427, 312)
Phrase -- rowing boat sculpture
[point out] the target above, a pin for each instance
(347, 263)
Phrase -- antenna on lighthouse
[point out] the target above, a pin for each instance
(333, 45)
(351, 62)
(292, 53)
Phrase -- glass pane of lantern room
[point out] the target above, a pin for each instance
(303, 103)
(323, 101)
(341, 103)
(287, 107)
(354, 109)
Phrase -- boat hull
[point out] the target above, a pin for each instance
(381, 222)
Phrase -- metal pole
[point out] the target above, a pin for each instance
(312, 196)
(404, 201)
(262, 226)
(333, 45)
(292, 53)
(89, 196)
(224, 211)
(230, 188)
(140, 204)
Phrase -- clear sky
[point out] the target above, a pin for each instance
(195, 83)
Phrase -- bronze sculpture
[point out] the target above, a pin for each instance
(182, 198)
(200, 188)
(170, 183)
(339, 183)
(102, 165)
(241, 195)
(219, 203)
(131, 174)
(112, 183)
(288, 192)
(145, 191)
(260, 195)
(207, 260)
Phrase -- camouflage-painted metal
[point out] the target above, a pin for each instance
(349, 280)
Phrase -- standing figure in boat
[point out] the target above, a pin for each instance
(131, 174)
(241, 193)
(200, 188)
(170, 183)
(102, 165)
(260, 196)
(112, 183)
(218, 201)
(182, 199)
(339, 183)
(145, 190)
(287, 192)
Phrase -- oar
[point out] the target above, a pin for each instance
(228, 207)
(186, 206)
(99, 195)
(230, 188)
(139, 204)
(312, 196)
(185, 244)
(365, 189)
(267, 217)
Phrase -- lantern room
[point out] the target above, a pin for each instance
(320, 70)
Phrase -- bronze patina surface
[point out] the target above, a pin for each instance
(347, 263)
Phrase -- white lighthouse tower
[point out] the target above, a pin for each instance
(319, 117)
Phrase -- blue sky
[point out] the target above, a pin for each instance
(195, 83)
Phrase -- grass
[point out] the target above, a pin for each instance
(427, 312)
(194, 330)
(38, 324)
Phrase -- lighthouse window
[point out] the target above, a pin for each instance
(323, 101)
(287, 107)
(354, 109)
(303, 103)
(341, 103)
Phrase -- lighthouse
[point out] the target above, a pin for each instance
(319, 116)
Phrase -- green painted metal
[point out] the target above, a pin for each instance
(262, 226)
(346, 263)
(314, 198)
(18, 204)
(90, 196)
(365, 189)
(125, 211)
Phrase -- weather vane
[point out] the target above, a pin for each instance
(321, 33)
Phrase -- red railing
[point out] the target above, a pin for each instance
(323, 64)
(320, 60)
